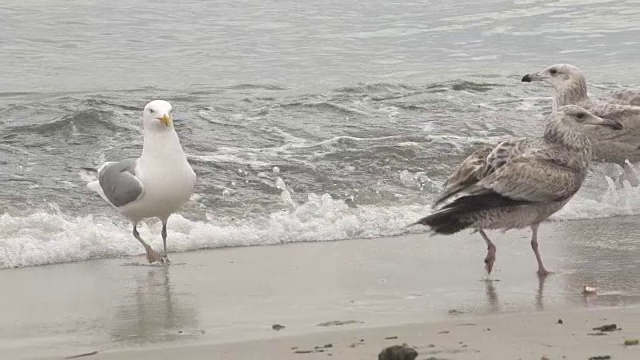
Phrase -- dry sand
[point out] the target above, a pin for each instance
(514, 336)
(221, 304)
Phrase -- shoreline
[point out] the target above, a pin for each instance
(223, 299)
(139, 258)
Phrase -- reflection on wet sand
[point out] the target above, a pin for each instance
(152, 312)
(602, 257)
(540, 292)
(492, 297)
(494, 302)
(586, 253)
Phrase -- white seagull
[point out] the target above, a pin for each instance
(154, 185)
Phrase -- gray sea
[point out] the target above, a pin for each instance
(304, 121)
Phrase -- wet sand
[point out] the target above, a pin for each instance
(224, 302)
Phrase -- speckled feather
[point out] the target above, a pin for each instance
(483, 162)
(528, 180)
(624, 96)
(609, 145)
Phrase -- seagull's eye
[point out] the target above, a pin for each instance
(580, 115)
(553, 71)
(151, 111)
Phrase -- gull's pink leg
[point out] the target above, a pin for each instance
(534, 245)
(152, 255)
(491, 252)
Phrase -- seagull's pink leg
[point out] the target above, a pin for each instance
(491, 252)
(534, 245)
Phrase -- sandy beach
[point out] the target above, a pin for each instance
(514, 336)
(346, 299)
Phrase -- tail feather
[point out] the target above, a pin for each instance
(444, 222)
(456, 216)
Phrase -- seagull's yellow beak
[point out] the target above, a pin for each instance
(166, 120)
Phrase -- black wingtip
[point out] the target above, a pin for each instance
(526, 78)
(455, 216)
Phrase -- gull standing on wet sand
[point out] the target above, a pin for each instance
(609, 146)
(519, 183)
(154, 185)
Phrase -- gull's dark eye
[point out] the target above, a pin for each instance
(151, 111)
(553, 71)
(580, 115)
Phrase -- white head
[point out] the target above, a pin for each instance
(157, 116)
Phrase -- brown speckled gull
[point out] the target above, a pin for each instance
(521, 182)
(610, 146)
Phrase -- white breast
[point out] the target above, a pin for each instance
(168, 179)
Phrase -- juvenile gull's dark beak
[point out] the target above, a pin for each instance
(613, 124)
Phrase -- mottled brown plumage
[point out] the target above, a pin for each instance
(610, 146)
(521, 182)
(470, 171)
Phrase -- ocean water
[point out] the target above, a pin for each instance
(304, 121)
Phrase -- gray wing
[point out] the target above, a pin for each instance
(119, 182)
(537, 177)
(625, 96)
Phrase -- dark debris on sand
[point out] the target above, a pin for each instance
(82, 355)
(609, 327)
(600, 357)
(398, 352)
(340, 323)
(631, 342)
(316, 349)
